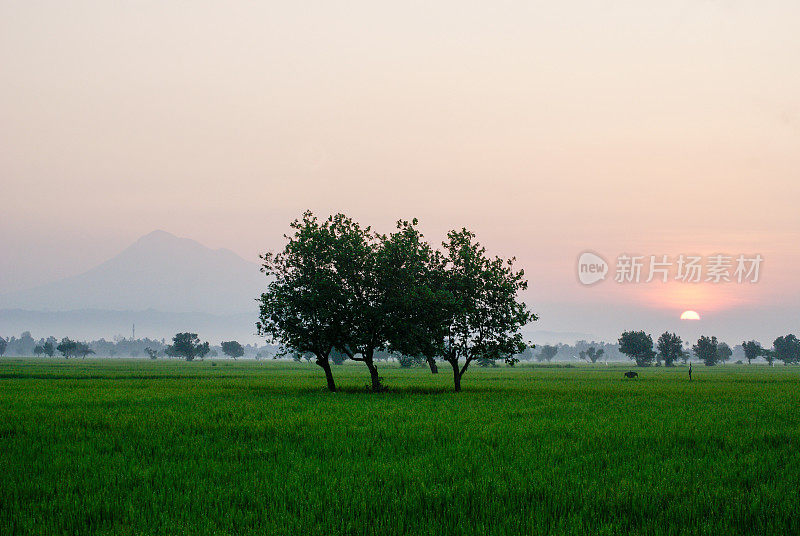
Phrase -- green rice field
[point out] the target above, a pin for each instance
(166, 447)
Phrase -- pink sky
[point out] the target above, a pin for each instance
(547, 127)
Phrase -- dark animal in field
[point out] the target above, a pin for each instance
(630, 374)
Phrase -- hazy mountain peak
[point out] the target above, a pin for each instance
(157, 235)
(159, 271)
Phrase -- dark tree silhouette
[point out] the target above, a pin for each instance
(724, 352)
(707, 350)
(68, 348)
(547, 353)
(787, 349)
(82, 349)
(232, 349)
(638, 346)
(752, 350)
(187, 346)
(591, 354)
(338, 357)
(408, 361)
(670, 348)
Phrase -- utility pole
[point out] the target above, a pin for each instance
(133, 332)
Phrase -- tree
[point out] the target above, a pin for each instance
(82, 349)
(153, 354)
(706, 350)
(670, 348)
(638, 346)
(724, 352)
(25, 344)
(337, 357)
(232, 349)
(385, 284)
(417, 297)
(527, 353)
(38, 350)
(484, 316)
(752, 350)
(48, 348)
(302, 306)
(486, 361)
(67, 347)
(408, 361)
(787, 349)
(365, 273)
(547, 353)
(187, 346)
(591, 354)
(3, 345)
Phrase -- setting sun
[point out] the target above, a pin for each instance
(690, 315)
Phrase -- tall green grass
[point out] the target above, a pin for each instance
(142, 447)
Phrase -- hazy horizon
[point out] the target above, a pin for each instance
(549, 129)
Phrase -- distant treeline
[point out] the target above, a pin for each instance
(708, 350)
(669, 349)
(26, 346)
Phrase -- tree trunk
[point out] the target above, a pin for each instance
(373, 375)
(432, 364)
(456, 376)
(326, 366)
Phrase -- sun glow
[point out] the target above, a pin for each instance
(690, 315)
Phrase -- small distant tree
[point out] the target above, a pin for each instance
(337, 357)
(670, 348)
(188, 346)
(25, 344)
(787, 349)
(82, 349)
(527, 353)
(638, 346)
(752, 350)
(68, 348)
(547, 353)
(408, 361)
(3, 345)
(485, 362)
(591, 354)
(724, 352)
(38, 350)
(232, 349)
(153, 354)
(297, 357)
(49, 349)
(706, 350)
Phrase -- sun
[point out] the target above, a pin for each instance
(690, 315)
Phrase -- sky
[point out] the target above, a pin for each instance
(549, 128)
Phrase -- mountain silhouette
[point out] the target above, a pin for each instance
(161, 272)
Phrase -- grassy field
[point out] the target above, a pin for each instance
(141, 447)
